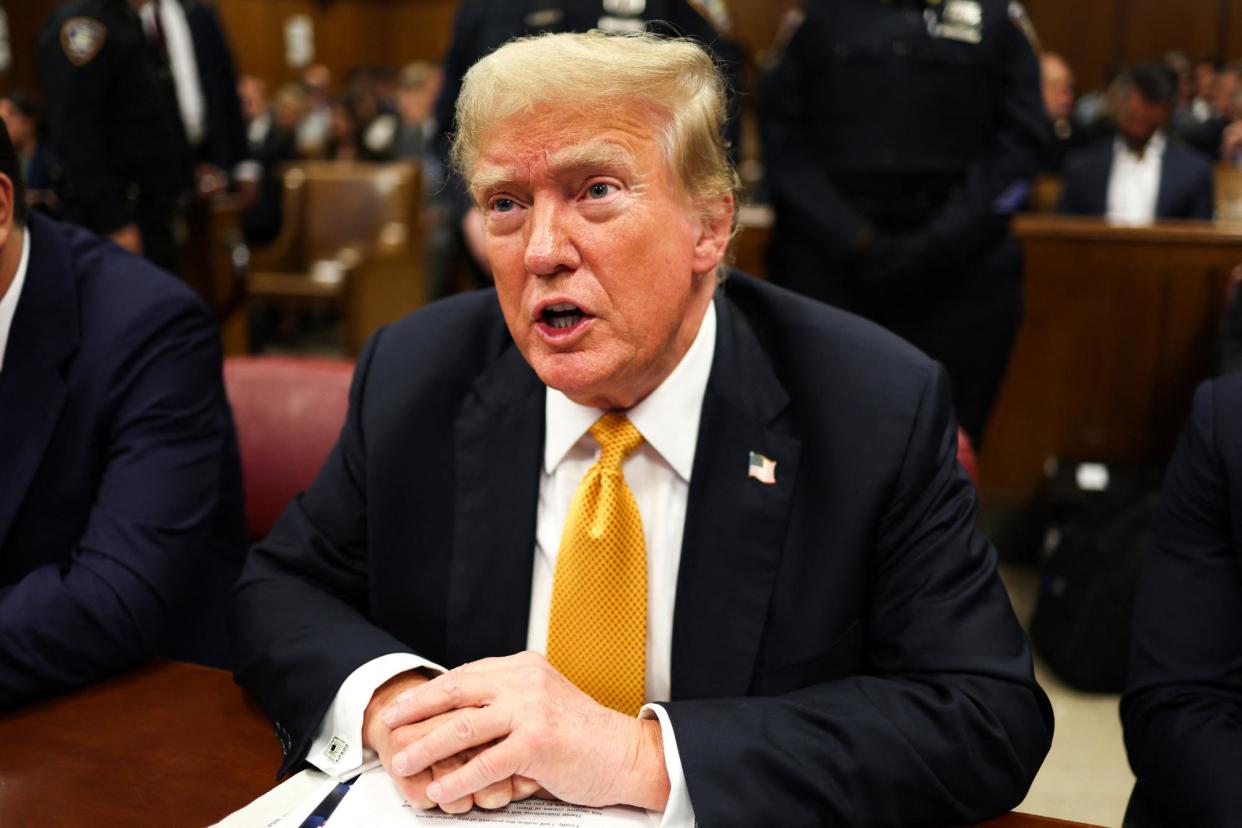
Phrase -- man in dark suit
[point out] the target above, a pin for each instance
(1182, 710)
(1139, 174)
(775, 507)
(120, 512)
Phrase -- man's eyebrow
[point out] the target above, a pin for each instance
(603, 156)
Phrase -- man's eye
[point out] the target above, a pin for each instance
(600, 190)
(503, 205)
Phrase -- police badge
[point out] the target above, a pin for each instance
(81, 38)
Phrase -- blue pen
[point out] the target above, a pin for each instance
(327, 805)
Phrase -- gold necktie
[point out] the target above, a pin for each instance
(597, 629)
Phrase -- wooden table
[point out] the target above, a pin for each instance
(167, 744)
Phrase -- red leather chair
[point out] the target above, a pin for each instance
(288, 412)
(966, 457)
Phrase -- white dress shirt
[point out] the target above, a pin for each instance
(8, 302)
(1134, 182)
(184, 65)
(658, 473)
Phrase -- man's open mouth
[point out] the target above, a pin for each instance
(562, 316)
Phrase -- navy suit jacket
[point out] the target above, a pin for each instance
(843, 651)
(120, 518)
(1186, 186)
(1182, 709)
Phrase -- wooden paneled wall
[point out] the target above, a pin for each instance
(25, 19)
(1092, 34)
(348, 33)
(1095, 34)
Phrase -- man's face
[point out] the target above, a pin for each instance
(602, 265)
(1138, 120)
(1226, 87)
(21, 128)
(1058, 87)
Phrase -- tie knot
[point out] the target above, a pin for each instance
(617, 438)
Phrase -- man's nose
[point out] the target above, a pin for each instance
(549, 246)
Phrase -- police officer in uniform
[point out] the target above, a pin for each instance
(481, 26)
(115, 124)
(899, 135)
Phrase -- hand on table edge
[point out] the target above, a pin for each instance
(386, 741)
(524, 719)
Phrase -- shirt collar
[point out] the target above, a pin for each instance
(1155, 147)
(8, 305)
(668, 418)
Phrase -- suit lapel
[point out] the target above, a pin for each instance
(735, 525)
(1164, 193)
(498, 446)
(32, 388)
(1099, 189)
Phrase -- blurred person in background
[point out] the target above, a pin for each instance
(316, 124)
(115, 124)
(1057, 83)
(270, 133)
(1208, 136)
(1139, 174)
(21, 117)
(896, 151)
(418, 86)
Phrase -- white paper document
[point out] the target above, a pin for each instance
(375, 803)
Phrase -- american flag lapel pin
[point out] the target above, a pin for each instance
(762, 469)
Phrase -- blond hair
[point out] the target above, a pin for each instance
(675, 79)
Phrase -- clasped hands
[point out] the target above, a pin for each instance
(503, 729)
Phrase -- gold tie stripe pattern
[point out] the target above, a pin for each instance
(597, 628)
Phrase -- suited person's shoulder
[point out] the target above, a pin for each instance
(467, 329)
(121, 297)
(1094, 153)
(1193, 160)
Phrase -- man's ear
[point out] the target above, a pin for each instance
(716, 230)
(7, 206)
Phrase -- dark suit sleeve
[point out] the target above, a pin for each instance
(298, 618)
(109, 605)
(1182, 711)
(1075, 181)
(944, 723)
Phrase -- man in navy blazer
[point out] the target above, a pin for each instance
(120, 518)
(1182, 710)
(1139, 174)
(839, 650)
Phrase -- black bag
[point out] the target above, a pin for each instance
(1094, 547)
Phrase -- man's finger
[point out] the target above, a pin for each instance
(460, 731)
(450, 691)
(492, 765)
(524, 788)
(414, 789)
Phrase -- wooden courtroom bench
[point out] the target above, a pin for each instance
(351, 236)
(1118, 329)
(213, 262)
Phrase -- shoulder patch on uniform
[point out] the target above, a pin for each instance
(716, 13)
(1017, 14)
(81, 38)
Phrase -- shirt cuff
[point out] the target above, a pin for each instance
(337, 747)
(679, 813)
